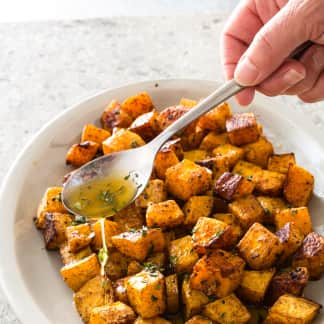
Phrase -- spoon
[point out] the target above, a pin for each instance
(131, 169)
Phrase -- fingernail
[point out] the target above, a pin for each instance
(291, 77)
(246, 72)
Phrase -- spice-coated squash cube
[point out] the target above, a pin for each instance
(259, 247)
(50, 203)
(247, 210)
(227, 310)
(210, 233)
(192, 137)
(154, 320)
(291, 238)
(230, 219)
(164, 159)
(94, 134)
(146, 125)
(271, 206)
(117, 313)
(170, 114)
(120, 291)
(137, 244)
(280, 162)
(68, 257)
(217, 273)
(299, 186)
(81, 153)
(193, 300)
(146, 293)
(212, 140)
(129, 218)
(133, 268)
(269, 183)
(258, 152)
(187, 179)
(198, 319)
(254, 285)
(96, 292)
(197, 206)
(289, 309)
(137, 105)
(77, 274)
(114, 116)
(289, 282)
(182, 254)
(117, 265)
(195, 155)
(247, 170)
(154, 192)
(78, 237)
(300, 216)
(218, 165)
(232, 186)
(174, 145)
(187, 102)
(121, 140)
(111, 229)
(157, 259)
(233, 153)
(54, 229)
(172, 294)
(311, 255)
(242, 129)
(215, 119)
(165, 214)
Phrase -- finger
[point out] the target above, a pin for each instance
(245, 97)
(316, 93)
(289, 74)
(313, 60)
(271, 46)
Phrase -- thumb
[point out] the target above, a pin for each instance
(271, 46)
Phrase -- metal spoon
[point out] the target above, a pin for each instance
(138, 162)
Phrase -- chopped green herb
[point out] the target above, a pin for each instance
(134, 144)
(173, 259)
(104, 284)
(144, 231)
(79, 219)
(58, 197)
(267, 212)
(218, 234)
(249, 178)
(158, 287)
(154, 298)
(103, 256)
(294, 212)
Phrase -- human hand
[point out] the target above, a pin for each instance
(258, 39)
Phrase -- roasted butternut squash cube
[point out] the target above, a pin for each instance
(271, 206)
(54, 229)
(117, 265)
(247, 210)
(165, 214)
(78, 237)
(195, 155)
(133, 268)
(146, 125)
(247, 170)
(299, 186)
(269, 183)
(137, 105)
(68, 257)
(157, 259)
(78, 273)
(121, 140)
(172, 294)
(129, 218)
(212, 140)
(164, 159)
(137, 244)
(170, 114)
(232, 186)
(193, 300)
(227, 310)
(117, 313)
(187, 102)
(197, 206)
(154, 320)
(182, 254)
(210, 233)
(217, 273)
(311, 255)
(242, 129)
(192, 137)
(146, 293)
(231, 220)
(198, 319)
(111, 229)
(120, 291)
(291, 238)
(98, 291)
(215, 119)
(289, 282)
(174, 145)
(114, 116)
(218, 165)
(289, 309)
(187, 179)
(254, 285)
(50, 203)
(81, 153)
(280, 162)
(154, 192)
(259, 247)
(300, 216)
(94, 134)
(258, 152)
(233, 153)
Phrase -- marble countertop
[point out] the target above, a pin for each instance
(46, 67)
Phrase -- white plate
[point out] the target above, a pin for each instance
(30, 275)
